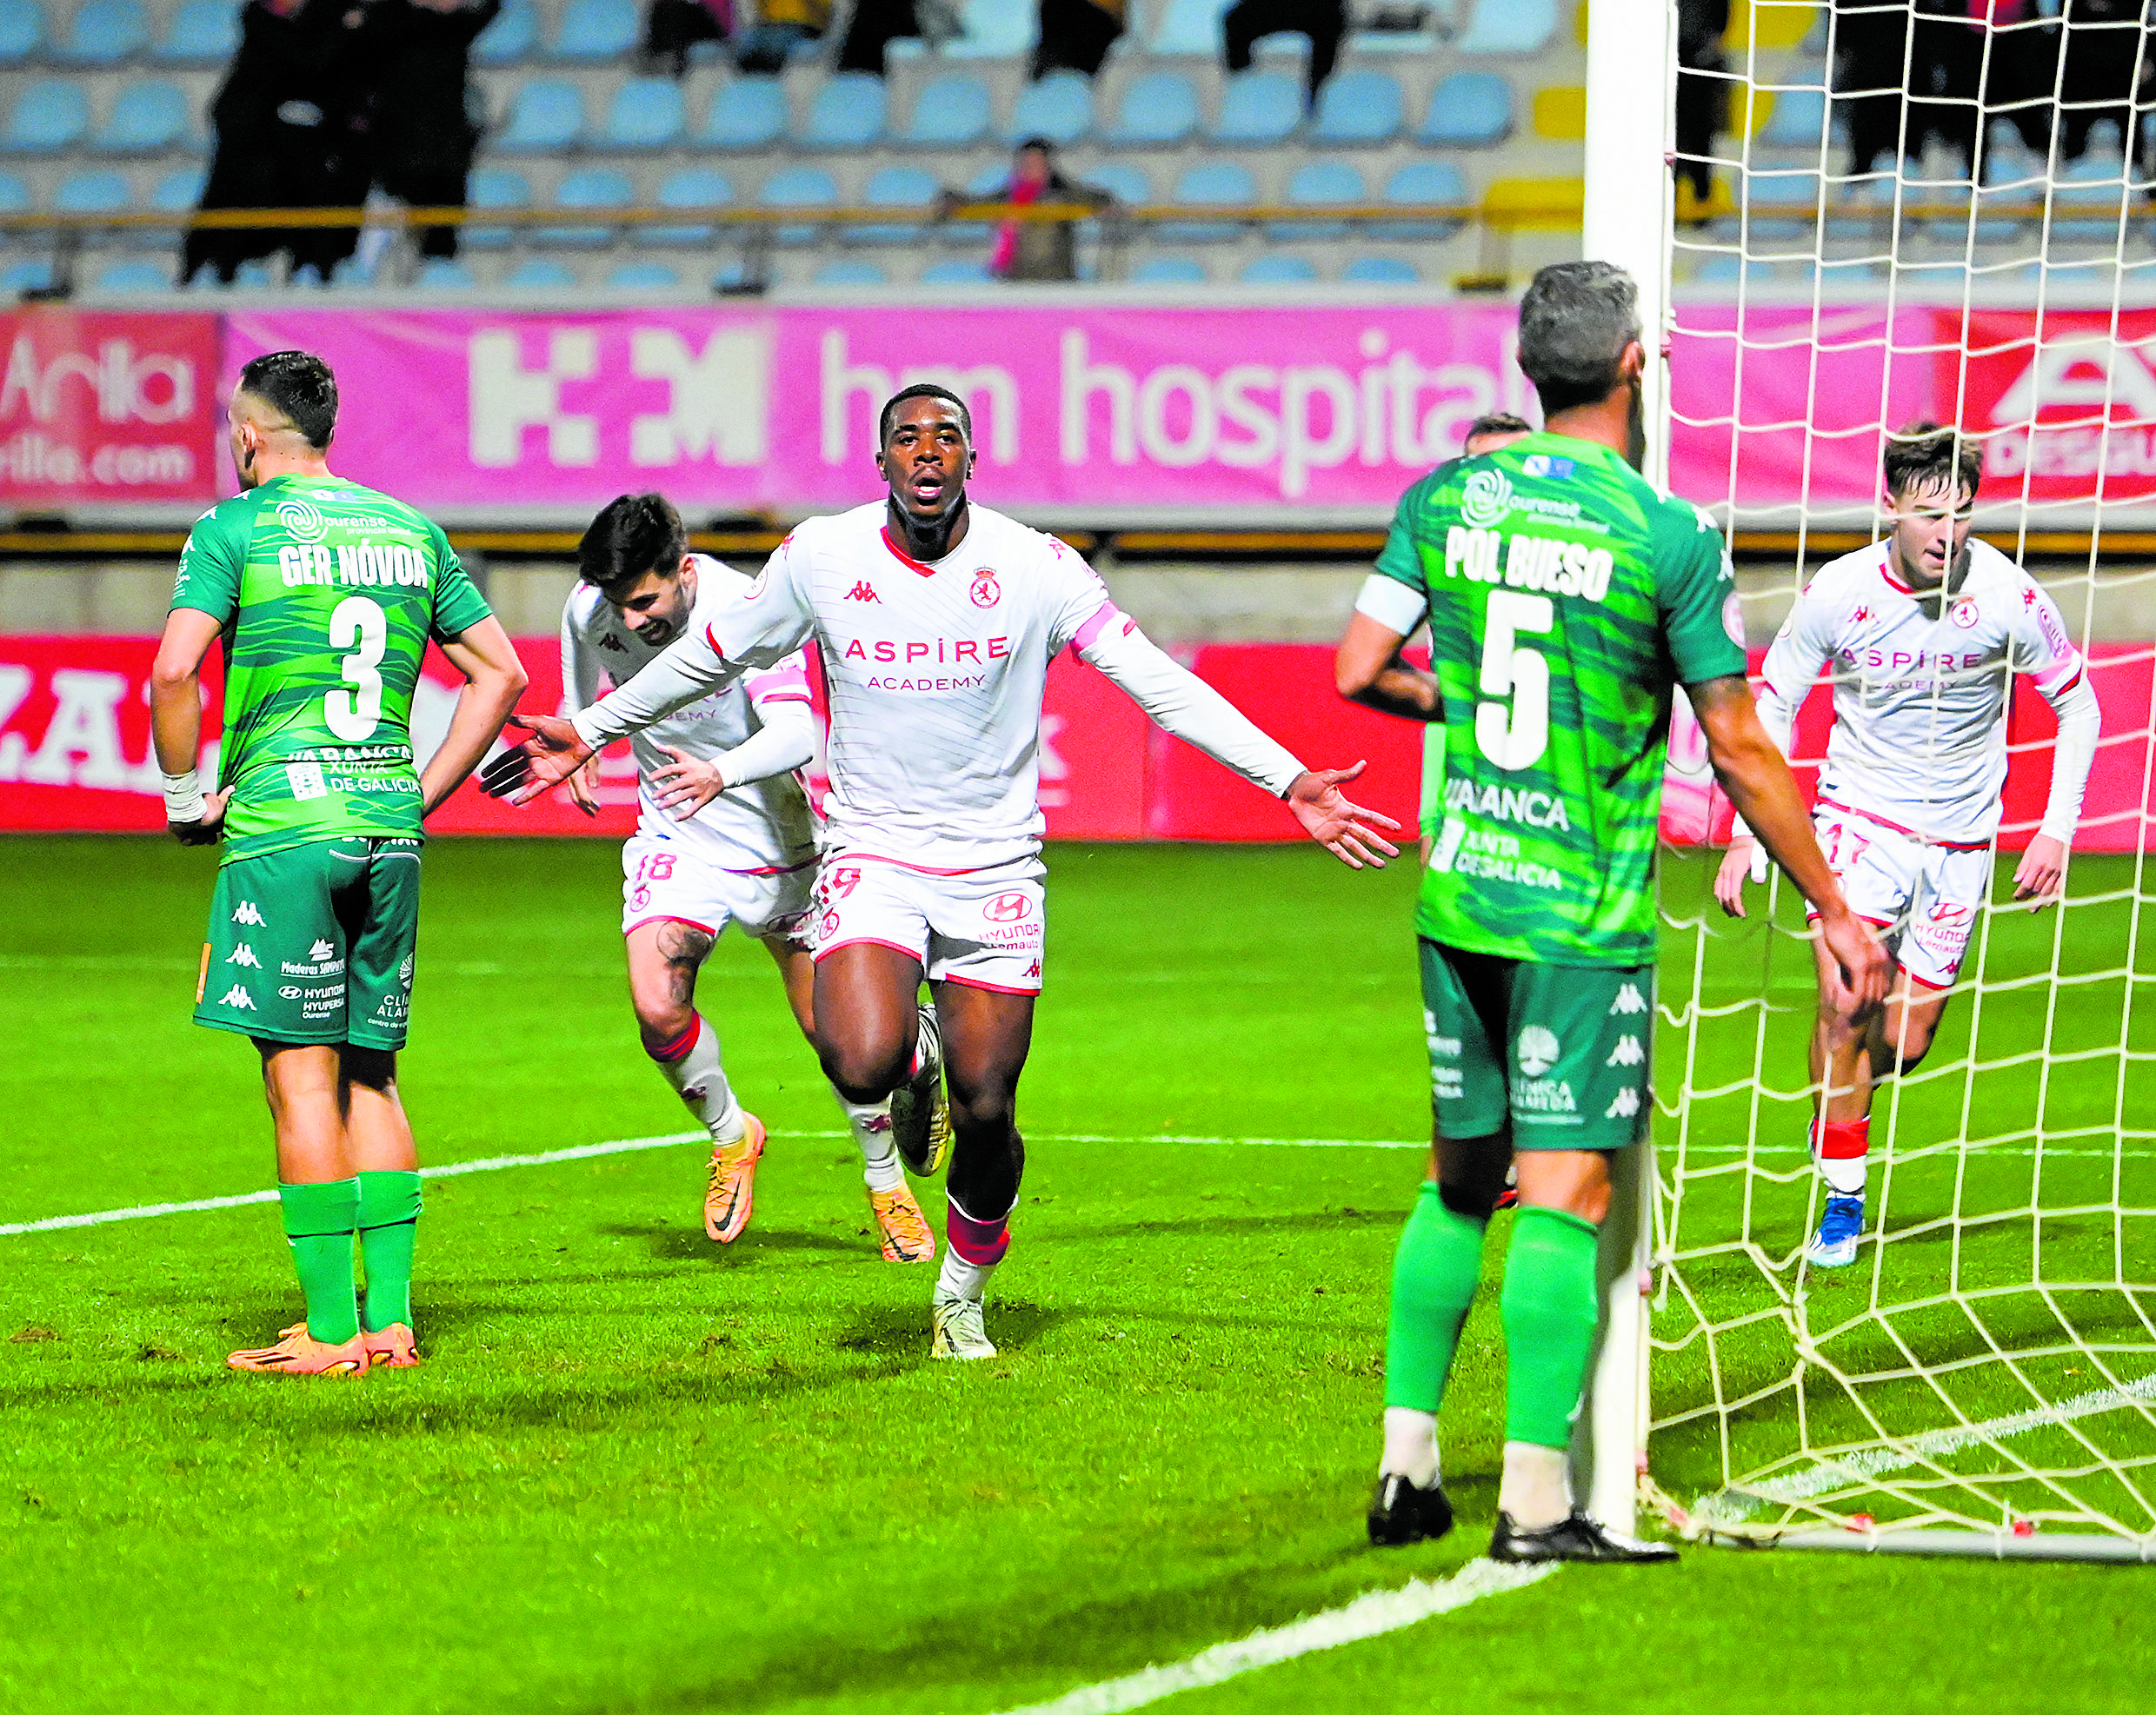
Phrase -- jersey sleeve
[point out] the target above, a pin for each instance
(457, 603)
(581, 667)
(1080, 601)
(2038, 645)
(787, 682)
(1401, 559)
(1802, 645)
(208, 576)
(771, 618)
(1695, 592)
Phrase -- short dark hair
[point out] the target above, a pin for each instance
(633, 535)
(299, 384)
(1923, 453)
(1575, 321)
(921, 389)
(1046, 146)
(1497, 423)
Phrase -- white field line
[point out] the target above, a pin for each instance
(1370, 1615)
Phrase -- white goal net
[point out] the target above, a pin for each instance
(1948, 215)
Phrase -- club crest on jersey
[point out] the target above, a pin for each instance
(986, 592)
(864, 591)
(1539, 1050)
(301, 521)
(1964, 613)
(1485, 498)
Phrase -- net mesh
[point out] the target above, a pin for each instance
(1900, 217)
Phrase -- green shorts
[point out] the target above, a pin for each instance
(1557, 1051)
(313, 944)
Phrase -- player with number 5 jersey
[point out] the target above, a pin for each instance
(325, 595)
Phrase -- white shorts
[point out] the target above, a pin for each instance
(1923, 899)
(667, 880)
(983, 928)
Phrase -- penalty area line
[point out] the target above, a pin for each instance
(1369, 1616)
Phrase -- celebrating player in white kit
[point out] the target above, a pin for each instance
(936, 621)
(1923, 631)
(723, 835)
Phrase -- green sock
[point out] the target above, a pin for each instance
(389, 1222)
(1549, 1312)
(319, 1220)
(1435, 1274)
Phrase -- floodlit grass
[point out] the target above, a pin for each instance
(641, 1472)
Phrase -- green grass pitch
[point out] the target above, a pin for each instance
(639, 1472)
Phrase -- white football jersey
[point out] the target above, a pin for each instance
(1920, 686)
(749, 829)
(934, 675)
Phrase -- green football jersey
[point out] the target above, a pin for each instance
(328, 593)
(1567, 597)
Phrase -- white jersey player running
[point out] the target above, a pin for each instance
(724, 835)
(936, 621)
(1923, 631)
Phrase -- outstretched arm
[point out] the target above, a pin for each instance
(494, 679)
(786, 741)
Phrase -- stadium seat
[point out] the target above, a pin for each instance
(1169, 271)
(510, 39)
(587, 188)
(1359, 109)
(103, 33)
(849, 271)
(1188, 27)
(1421, 183)
(1469, 109)
(22, 31)
(1799, 120)
(1259, 108)
(1781, 205)
(496, 188)
(201, 33)
(644, 276)
(147, 119)
(546, 117)
(993, 29)
(955, 272)
(1219, 184)
(2086, 193)
(746, 113)
(646, 113)
(596, 32)
(1131, 186)
(14, 194)
(49, 117)
(34, 275)
(1508, 27)
(140, 275)
(539, 275)
(1381, 271)
(1725, 267)
(950, 112)
(911, 189)
(798, 188)
(1319, 184)
(687, 187)
(1276, 269)
(92, 193)
(444, 274)
(1059, 107)
(847, 113)
(1159, 109)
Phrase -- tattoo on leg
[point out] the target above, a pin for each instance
(684, 949)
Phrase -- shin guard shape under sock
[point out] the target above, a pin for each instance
(1435, 1272)
(1549, 1312)
(319, 1222)
(389, 1226)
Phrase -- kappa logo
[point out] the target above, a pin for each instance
(248, 912)
(1624, 1106)
(1862, 617)
(1629, 1001)
(1539, 1050)
(986, 591)
(1627, 1052)
(864, 591)
(1486, 499)
(608, 640)
(1032, 971)
(244, 954)
(238, 999)
(322, 949)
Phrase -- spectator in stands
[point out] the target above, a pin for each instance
(763, 47)
(1871, 54)
(1075, 35)
(1702, 94)
(1036, 249)
(673, 27)
(423, 125)
(1323, 21)
(875, 24)
(2099, 78)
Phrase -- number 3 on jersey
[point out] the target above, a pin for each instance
(1517, 738)
(353, 714)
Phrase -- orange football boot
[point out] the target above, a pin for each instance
(392, 1347)
(299, 1354)
(906, 1234)
(730, 1197)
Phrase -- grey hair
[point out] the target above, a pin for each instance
(1575, 321)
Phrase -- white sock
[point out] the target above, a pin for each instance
(1410, 1446)
(700, 1080)
(1844, 1174)
(870, 1123)
(1534, 1489)
(960, 1279)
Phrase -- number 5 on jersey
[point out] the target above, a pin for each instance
(353, 714)
(1517, 738)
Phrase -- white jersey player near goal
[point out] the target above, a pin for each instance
(936, 621)
(1923, 631)
(724, 835)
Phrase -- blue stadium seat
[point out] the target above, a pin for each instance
(1059, 107)
(1169, 271)
(22, 31)
(14, 194)
(596, 32)
(847, 113)
(203, 32)
(444, 274)
(1159, 109)
(746, 113)
(32, 275)
(587, 188)
(1259, 107)
(1799, 120)
(798, 188)
(849, 271)
(1728, 267)
(1359, 108)
(644, 276)
(104, 32)
(1469, 109)
(1508, 27)
(92, 193)
(539, 275)
(1320, 184)
(147, 119)
(1380, 271)
(993, 29)
(687, 188)
(495, 188)
(510, 39)
(1274, 270)
(645, 113)
(1131, 186)
(546, 117)
(178, 191)
(1422, 184)
(134, 276)
(1189, 27)
(950, 112)
(1781, 205)
(1219, 184)
(957, 272)
(49, 117)
(911, 188)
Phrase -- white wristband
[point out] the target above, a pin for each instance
(183, 800)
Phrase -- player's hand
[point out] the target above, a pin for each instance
(550, 755)
(1345, 829)
(211, 828)
(1864, 967)
(2042, 873)
(1736, 870)
(686, 784)
(583, 787)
